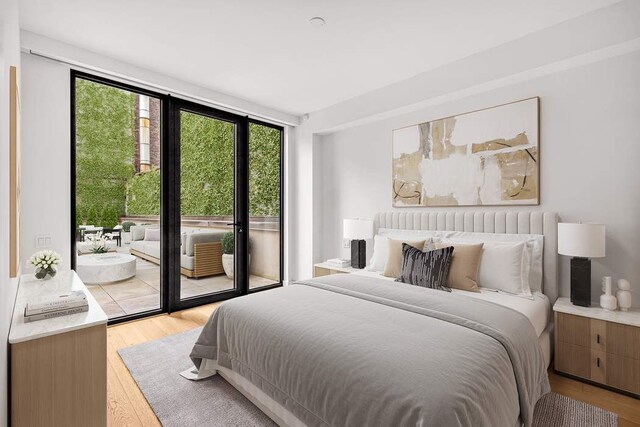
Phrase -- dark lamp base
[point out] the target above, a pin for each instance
(358, 253)
(581, 281)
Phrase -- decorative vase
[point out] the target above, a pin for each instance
(607, 300)
(45, 273)
(228, 264)
(624, 294)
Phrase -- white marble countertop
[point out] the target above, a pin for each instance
(631, 317)
(31, 289)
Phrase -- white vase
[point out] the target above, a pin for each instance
(227, 265)
(624, 294)
(607, 300)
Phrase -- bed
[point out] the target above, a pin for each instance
(358, 349)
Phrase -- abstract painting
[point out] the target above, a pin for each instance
(486, 157)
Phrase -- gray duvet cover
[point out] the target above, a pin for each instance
(347, 350)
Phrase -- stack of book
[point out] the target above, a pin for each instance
(56, 306)
(339, 262)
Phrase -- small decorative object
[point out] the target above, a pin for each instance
(228, 249)
(581, 241)
(45, 263)
(98, 243)
(607, 300)
(624, 294)
(358, 230)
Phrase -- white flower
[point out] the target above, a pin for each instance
(45, 259)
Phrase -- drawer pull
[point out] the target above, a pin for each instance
(598, 362)
(598, 338)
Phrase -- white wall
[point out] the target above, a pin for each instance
(46, 152)
(9, 56)
(590, 148)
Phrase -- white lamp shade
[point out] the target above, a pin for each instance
(581, 240)
(357, 229)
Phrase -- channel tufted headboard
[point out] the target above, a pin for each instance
(512, 222)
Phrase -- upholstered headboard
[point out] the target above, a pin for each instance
(512, 222)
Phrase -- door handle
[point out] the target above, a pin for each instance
(236, 224)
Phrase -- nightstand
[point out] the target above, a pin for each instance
(325, 269)
(598, 345)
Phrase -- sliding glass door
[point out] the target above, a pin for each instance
(174, 204)
(115, 195)
(212, 235)
(265, 205)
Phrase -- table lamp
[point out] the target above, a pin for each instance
(582, 242)
(358, 230)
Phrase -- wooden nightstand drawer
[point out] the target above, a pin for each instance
(598, 335)
(623, 373)
(573, 329)
(327, 269)
(598, 367)
(321, 271)
(599, 346)
(573, 359)
(623, 340)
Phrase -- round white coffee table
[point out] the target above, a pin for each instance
(104, 268)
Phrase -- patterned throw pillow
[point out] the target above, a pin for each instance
(427, 269)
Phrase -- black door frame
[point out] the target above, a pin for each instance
(241, 206)
(170, 196)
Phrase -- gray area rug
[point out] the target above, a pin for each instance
(156, 367)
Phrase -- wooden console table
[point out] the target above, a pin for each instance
(59, 365)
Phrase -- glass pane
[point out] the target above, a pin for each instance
(264, 205)
(118, 197)
(206, 205)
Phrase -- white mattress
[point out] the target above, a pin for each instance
(536, 309)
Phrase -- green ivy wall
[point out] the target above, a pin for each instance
(104, 152)
(107, 186)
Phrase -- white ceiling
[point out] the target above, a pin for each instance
(266, 51)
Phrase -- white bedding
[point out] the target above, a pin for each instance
(537, 309)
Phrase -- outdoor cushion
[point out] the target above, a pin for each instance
(194, 238)
(152, 249)
(187, 262)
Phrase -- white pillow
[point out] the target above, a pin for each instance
(535, 246)
(183, 243)
(137, 232)
(505, 267)
(380, 253)
(152, 234)
(381, 244)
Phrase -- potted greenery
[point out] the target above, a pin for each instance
(228, 249)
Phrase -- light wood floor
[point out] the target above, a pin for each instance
(127, 406)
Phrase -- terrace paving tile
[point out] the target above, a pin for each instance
(130, 288)
(140, 304)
